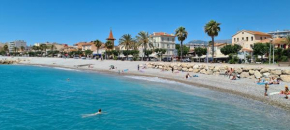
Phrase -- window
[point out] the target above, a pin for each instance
(167, 39)
(234, 39)
(247, 39)
(162, 39)
(265, 38)
(242, 38)
(252, 38)
(237, 39)
(261, 38)
(242, 32)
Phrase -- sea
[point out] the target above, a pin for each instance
(47, 98)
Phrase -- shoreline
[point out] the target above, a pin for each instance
(262, 99)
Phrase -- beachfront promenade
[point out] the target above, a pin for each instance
(244, 87)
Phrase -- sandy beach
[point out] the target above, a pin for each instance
(243, 87)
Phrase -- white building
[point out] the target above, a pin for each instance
(280, 34)
(164, 41)
(17, 43)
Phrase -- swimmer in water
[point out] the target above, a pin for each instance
(100, 111)
(67, 79)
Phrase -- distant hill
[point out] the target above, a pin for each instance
(229, 41)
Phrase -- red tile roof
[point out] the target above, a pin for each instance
(162, 34)
(258, 33)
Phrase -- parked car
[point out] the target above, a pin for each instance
(167, 59)
(186, 60)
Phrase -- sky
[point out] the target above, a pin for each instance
(72, 21)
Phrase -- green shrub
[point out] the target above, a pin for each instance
(115, 58)
(284, 58)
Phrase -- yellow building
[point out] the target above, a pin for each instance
(246, 38)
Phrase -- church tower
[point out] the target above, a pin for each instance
(111, 37)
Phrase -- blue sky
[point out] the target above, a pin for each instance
(72, 21)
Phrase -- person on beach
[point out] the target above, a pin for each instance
(172, 69)
(286, 92)
(138, 67)
(266, 89)
(187, 76)
(259, 80)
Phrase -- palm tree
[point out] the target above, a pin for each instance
(126, 41)
(15, 50)
(288, 43)
(98, 44)
(43, 47)
(109, 45)
(181, 35)
(6, 48)
(212, 29)
(143, 40)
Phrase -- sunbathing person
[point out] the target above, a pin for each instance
(187, 76)
(286, 92)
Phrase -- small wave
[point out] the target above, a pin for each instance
(65, 69)
(156, 79)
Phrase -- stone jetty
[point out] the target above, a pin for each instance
(244, 72)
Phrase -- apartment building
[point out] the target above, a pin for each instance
(16, 43)
(164, 41)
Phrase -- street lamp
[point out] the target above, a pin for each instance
(270, 50)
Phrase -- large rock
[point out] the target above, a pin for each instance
(195, 66)
(184, 65)
(285, 78)
(209, 72)
(216, 69)
(251, 72)
(196, 70)
(203, 71)
(252, 77)
(210, 67)
(266, 75)
(246, 69)
(264, 70)
(222, 72)
(179, 68)
(257, 74)
(190, 70)
(286, 72)
(184, 69)
(276, 72)
(245, 75)
(238, 70)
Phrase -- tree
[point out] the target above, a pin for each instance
(126, 41)
(15, 50)
(231, 49)
(22, 48)
(212, 29)
(109, 46)
(147, 53)
(88, 52)
(5, 48)
(43, 47)
(143, 40)
(181, 35)
(288, 43)
(160, 52)
(199, 51)
(184, 49)
(260, 49)
(98, 44)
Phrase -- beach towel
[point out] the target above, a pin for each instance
(195, 76)
(262, 83)
(273, 93)
(125, 70)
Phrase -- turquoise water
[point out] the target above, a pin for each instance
(42, 98)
